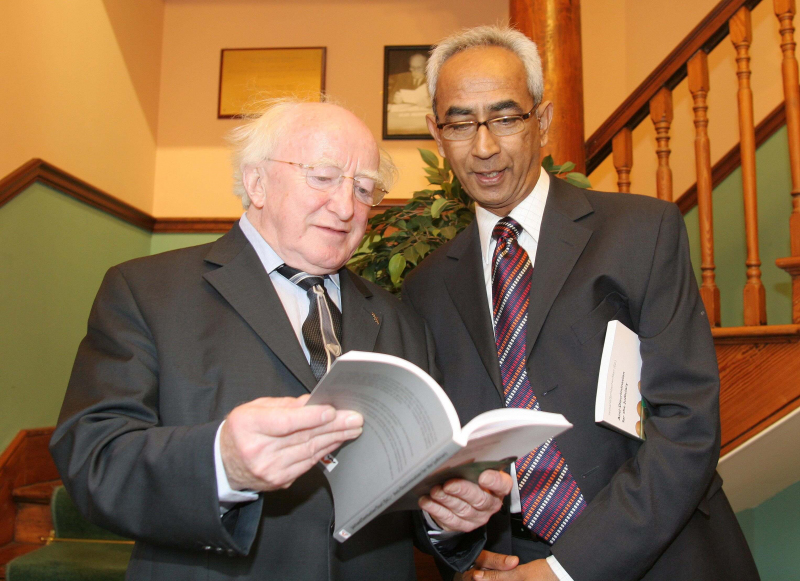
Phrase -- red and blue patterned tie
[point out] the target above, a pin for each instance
(549, 495)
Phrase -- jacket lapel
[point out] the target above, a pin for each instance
(360, 321)
(243, 282)
(561, 242)
(465, 283)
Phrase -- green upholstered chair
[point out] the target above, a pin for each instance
(80, 551)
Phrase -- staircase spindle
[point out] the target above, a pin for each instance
(741, 33)
(622, 148)
(785, 11)
(697, 67)
(661, 115)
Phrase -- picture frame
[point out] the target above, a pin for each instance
(247, 75)
(406, 101)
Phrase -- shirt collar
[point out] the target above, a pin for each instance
(528, 213)
(269, 258)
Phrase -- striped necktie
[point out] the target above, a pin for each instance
(549, 495)
(322, 329)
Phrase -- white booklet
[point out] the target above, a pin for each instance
(619, 404)
(412, 437)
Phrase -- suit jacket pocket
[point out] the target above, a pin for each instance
(595, 322)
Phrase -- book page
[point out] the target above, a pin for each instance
(405, 421)
(492, 440)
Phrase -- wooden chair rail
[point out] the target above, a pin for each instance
(38, 170)
(669, 73)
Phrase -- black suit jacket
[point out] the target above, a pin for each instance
(176, 341)
(656, 510)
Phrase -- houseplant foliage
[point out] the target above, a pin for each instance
(399, 238)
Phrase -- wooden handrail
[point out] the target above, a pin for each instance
(669, 73)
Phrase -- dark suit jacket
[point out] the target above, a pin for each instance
(656, 510)
(175, 342)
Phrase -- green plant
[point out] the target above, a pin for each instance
(399, 238)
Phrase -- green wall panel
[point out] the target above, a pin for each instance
(730, 251)
(773, 533)
(164, 242)
(54, 252)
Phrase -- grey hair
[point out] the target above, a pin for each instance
(502, 36)
(257, 138)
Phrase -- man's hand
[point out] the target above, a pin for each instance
(268, 443)
(463, 506)
(494, 566)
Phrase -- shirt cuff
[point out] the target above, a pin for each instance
(558, 569)
(435, 532)
(227, 496)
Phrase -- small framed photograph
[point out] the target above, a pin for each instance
(405, 92)
(247, 75)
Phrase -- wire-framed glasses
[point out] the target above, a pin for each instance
(327, 178)
(500, 126)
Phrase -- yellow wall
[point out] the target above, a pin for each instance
(193, 168)
(79, 89)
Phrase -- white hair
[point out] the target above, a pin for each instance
(503, 36)
(258, 137)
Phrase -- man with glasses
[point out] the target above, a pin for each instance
(518, 305)
(184, 425)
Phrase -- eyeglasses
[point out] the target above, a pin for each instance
(328, 178)
(500, 126)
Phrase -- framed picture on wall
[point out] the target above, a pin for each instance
(248, 75)
(405, 92)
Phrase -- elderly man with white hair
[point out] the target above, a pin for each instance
(184, 425)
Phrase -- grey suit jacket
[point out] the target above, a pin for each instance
(656, 510)
(176, 341)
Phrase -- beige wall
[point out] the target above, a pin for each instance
(124, 94)
(192, 168)
(79, 89)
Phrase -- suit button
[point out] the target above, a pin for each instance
(207, 548)
(219, 550)
(231, 552)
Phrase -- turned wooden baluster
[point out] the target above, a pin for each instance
(785, 11)
(697, 67)
(755, 304)
(622, 147)
(661, 115)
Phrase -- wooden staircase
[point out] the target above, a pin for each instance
(28, 477)
(755, 358)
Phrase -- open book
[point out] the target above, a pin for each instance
(619, 404)
(412, 437)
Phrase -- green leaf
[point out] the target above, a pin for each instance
(547, 163)
(436, 208)
(449, 232)
(446, 165)
(432, 172)
(435, 180)
(422, 248)
(578, 179)
(565, 167)
(429, 157)
(397, 265)
(400, 224)
(410, 254)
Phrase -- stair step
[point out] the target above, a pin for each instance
(12, 551)
(39, 493)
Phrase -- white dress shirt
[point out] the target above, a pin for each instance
(528, 213)
(296, 304)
